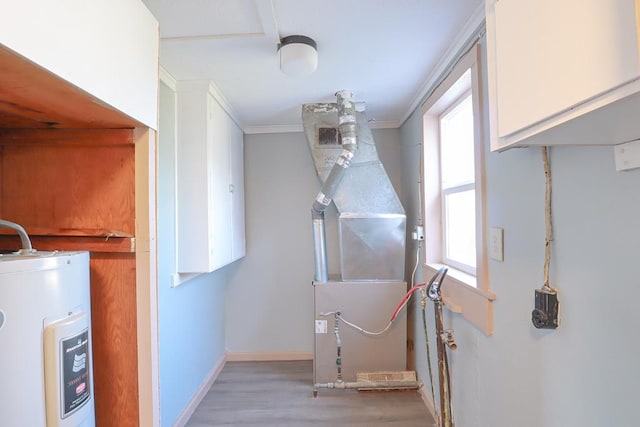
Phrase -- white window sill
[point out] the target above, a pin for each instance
(461, 295)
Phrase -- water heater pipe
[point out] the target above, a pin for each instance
(444, 339)
(370, 384)
(24, 237)
(348, 131)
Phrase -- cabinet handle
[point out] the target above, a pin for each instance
(230, 188)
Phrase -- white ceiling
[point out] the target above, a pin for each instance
(387, 52)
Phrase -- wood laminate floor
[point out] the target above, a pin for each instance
(280, 394)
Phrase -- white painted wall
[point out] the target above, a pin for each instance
(269, 305)
(586, 372)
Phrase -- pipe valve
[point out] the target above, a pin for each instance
(434, 285)
(447, 337)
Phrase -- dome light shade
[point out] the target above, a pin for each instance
(298, 55)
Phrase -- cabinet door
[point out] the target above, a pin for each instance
(220, 208)
(194, 153)
(238, 245)
(553, 56)
(210, 182)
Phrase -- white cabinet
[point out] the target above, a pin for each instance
(236, 151)
(108, 48)
(563, 72)
(210, 182)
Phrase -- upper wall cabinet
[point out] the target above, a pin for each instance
(563, 72)
(89, 44)
(236, 155)
(210, 182)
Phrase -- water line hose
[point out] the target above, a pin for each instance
(24, 237)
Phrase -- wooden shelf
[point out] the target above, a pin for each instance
(67, 239)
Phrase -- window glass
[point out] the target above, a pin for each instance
(457, 171)
(460, 229)
(457, 145)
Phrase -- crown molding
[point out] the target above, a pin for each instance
(251, 130)
(471, 28)
(167, 78)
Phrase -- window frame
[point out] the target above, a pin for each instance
(462, 292)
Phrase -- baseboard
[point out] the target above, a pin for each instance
(263, 357)
(428, 401)
(181, 421)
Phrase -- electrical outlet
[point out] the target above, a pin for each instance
(545, 313)
(321, 326)
(496, 243)
(418, 233)
(627, 156)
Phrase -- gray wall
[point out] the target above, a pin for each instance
(585, 373)
(269, 305)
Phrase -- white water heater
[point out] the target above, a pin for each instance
(46, 376)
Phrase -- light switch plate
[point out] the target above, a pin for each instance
(496, 243)
(627, 156)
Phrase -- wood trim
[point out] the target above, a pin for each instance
(91, 137)
(428, 402)
(470, 32)
(638, 24)
(2, 214)
(475, 305)
(77, 232)
(71, 239)
(191, 407)
(262, 357)
(146, 290)
(167, 79)
(72, 243)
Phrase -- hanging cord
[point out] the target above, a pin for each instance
(547, 217)
(399, 308)
(415, 267)
(401, 305)
(423, 306)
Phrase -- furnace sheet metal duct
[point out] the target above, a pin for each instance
(372, 221)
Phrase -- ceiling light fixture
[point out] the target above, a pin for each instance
(298, 55)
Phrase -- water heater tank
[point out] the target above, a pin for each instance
(45, 340)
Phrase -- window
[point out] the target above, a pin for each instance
(457, 185)
(453, 177)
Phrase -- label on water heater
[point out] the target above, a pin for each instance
(75, 372)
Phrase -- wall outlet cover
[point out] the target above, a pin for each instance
(496, 243)
(627, 156)
(321, 326)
